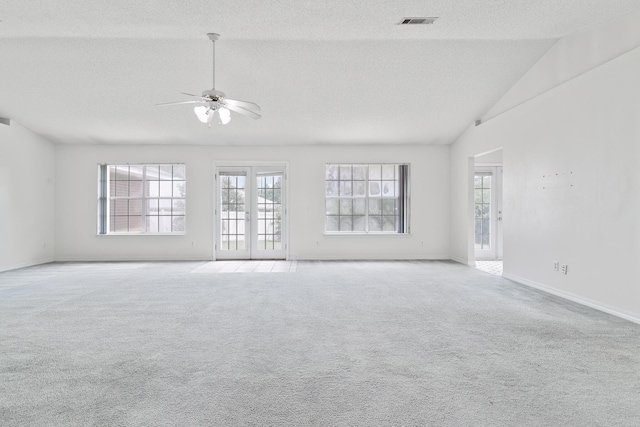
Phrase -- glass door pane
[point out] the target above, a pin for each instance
(251, 207)
(269, 214)
(484, 213)
(232, 226)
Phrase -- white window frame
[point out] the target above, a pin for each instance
(401, 195)
(105, 199)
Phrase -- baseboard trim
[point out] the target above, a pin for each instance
(134, 259)
(572, 297)
(460, 260)
(25, 264)
(369, 258)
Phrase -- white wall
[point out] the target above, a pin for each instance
(76, 209)
(586, 130)
(26, 198)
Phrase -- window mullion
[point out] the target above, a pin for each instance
(144, 199)
(366, 203)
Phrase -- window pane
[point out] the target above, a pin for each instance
(345, 172)
(152, 207)
(178, 188)
(375, 224)
(135, 189)
(359, 172)
(345, 223)
(121, 207)
(177, 207)
(388, 223)
(333, 223)
(388, 188)
(388, 172)
(374, 188)
(165, 206)
(331, 172)
(375, 172)
(345, 188)
(332, 188)
(177, 223)
(346, 207)
(359, 223)
(135, 224)
(121, 224)
(359, 188)
(122, 188)
(164, 224)
(135, 172)
(153, 188)
(179, 172)
(152, 172)
(165, 189)
(166, 172)
(388, 207)
(135, 207)
(333, 206)
(359, 207)
(477, 196)
(375, 207)
(152, 224)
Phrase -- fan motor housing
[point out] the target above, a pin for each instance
(213, 94)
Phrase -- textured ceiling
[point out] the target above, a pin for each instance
(323, 72)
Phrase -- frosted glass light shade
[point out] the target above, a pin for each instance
(202, 113)
(225, 115)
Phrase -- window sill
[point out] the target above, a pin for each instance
(355, 233)
(101, 236)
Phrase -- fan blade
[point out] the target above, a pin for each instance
(243, 111)
(181, 102)
(190, 94)
(243, 104)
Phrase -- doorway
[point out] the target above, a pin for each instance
(250, 211)
(488, 210)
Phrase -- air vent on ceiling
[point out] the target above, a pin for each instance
(418, 21)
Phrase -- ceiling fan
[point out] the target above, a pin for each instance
(215, 103)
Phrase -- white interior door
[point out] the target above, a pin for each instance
(251, 213)
(487, 185)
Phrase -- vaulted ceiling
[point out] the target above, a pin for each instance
(332, 72)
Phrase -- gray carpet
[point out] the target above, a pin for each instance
(333, 344)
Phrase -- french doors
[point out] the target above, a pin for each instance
(487, 190)
(250, 212)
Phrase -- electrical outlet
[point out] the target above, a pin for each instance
(556, 265)
(563, 268)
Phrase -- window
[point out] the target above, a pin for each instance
(141, 198)
(367, 198)
(482, 202)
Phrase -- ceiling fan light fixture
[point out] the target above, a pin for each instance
(224, 115)
(202, 112)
